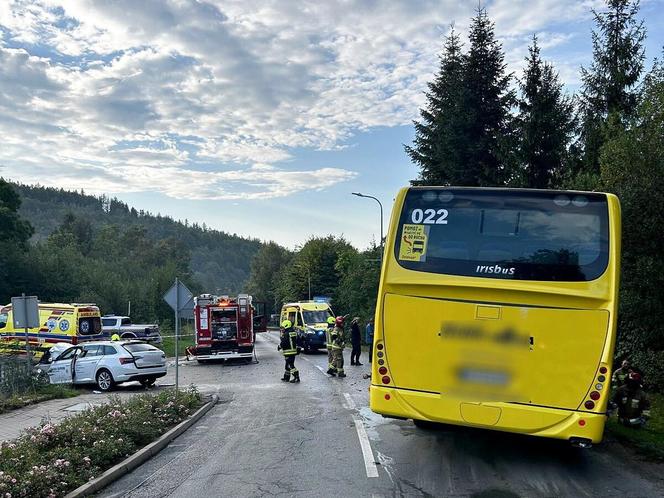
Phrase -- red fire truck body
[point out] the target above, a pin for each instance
(224, 327)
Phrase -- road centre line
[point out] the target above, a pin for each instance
(367, 453)
(349, 400)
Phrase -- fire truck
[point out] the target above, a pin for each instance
(225, 327)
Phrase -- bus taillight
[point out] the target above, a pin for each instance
(594, 395)
(385, 379)
(382, 370)
(589, 405)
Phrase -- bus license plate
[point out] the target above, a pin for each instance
(484, 377)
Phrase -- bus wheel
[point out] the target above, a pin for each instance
(425, 424)
(104, 380)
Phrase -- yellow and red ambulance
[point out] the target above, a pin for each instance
(72, 323)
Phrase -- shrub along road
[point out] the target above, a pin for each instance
(319, 438)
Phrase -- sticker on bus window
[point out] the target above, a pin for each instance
(413, 245)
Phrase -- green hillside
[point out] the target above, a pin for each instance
(218, 260)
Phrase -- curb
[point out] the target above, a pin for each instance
(138, 458)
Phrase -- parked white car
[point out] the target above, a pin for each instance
(106, 363)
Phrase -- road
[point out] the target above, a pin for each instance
(319, 438)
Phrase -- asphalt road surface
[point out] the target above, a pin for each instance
(319, 438)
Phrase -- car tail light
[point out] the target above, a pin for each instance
(124, 361)
(382, 370)
(385, 379)
(594, 395)
(589, 405)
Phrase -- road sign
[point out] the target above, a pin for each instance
(179, 297)
(25, 310)
(181, 300)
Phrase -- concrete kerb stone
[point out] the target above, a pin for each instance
(138, 458)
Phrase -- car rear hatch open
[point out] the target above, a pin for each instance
(145, 355)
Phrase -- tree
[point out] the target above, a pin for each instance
(632, 166)
(267, 268)
(609, 85)
(14, 267)
(315, 267)
(487, 102)
(466, 130)
(438, 145)
(358, 286)
(545, 123)
(14, 229)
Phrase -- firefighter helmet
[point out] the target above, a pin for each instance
(635, 376)
(331, 320)
(286, 324)
(339, 321)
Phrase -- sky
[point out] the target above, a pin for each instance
(258, 118)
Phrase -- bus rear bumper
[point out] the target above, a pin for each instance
(507, 417)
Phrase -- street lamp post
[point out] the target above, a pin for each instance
(358, 194)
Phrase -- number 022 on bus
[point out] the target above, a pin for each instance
(497, 309)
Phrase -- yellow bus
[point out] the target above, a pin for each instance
(497, 309)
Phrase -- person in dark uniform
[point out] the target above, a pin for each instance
(356, 341)
(288, 347)
(632, 402)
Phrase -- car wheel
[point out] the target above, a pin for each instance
(105, 380)
(148, 382)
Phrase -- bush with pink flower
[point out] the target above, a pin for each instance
(51, 460)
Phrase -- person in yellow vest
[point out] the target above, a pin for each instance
(331, 370)
(338, 344)
(288, 347)
(115, 337)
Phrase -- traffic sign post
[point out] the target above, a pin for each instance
(180, 299)
(25, 310)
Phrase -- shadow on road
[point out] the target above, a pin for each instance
(492, 447)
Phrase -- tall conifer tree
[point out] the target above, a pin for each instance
(609, 92)
(545, 123)
(437, 148)
(487, 102)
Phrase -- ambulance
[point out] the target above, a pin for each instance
(310, 321)
(70, 323)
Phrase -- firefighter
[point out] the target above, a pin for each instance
(620, 375)
(632, 403)
(338, 343)
(115, 337)
(288, 347)
(331, 370)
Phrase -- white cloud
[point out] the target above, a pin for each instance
(149, 95)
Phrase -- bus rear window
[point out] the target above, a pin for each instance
(514, 234)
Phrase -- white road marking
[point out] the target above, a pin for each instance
(367, 453)
(349, 400)
(321, 369)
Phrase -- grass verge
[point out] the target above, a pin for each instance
(648, 440)
(51, 460)
(168, 345)
(43, 393)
